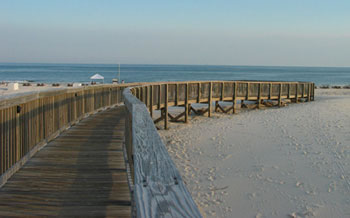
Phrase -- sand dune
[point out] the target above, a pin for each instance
(277, 162)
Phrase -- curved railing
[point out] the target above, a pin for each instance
(28, 121)
(158, 188)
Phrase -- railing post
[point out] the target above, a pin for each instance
(159, 96)
(166, 108)
(186, 103)
(176, 94)
(83, 102)
(247, 96)
(296, 93)
(210, 98)
(222, 91)
(308, 92)
(303, 91)
(137, 93)
(288, 90)
(18, 143)
(142, 95)
(270, 91)
(146, 96)
(199, 93)
(76, 97)
(151, 101)
(12, 134)
(101, 98)
(234, 97)
(259, 95)
(10, 142)
(280, 95)
(53, 115)
(116, 97)
(110, 96)
(1, 143)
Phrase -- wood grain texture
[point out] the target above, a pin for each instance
(80, 173)
(159, 189)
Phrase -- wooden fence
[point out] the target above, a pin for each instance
(29, 121)
(158, 188)
(163, 95)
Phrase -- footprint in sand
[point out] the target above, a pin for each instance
(227, 157)
(332, 186)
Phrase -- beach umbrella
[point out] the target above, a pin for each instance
(97, 76)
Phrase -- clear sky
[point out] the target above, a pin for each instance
(249, 32)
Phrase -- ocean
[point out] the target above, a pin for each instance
(67, 73)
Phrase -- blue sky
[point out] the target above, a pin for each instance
(255, 32)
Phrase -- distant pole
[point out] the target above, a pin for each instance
(119, 73)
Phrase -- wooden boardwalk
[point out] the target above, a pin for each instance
(80, 173)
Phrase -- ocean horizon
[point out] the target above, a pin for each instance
(68, 73)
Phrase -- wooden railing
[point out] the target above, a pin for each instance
(164, 95)
(29, 121)
(158, 188)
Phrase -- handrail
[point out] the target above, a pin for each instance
(158, 187)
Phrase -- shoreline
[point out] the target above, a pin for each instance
(24, 88)
(275, 162)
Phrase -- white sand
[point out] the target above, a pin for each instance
(6, 92)
(277, 162)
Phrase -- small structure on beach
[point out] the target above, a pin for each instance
(97, 77)
(77, 84)
(13, 86)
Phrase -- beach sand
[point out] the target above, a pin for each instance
(276, 162)
(6, 92)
